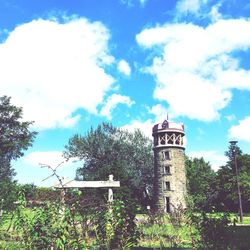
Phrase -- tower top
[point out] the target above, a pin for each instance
(168, 126)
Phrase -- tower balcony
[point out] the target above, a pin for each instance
(168, 134)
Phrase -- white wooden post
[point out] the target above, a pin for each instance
(110, 194)
(1, 210)
(110, 198)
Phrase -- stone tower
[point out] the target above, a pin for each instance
(169, 166)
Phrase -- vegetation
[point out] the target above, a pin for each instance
(227, 187)
(15, 135)
(105, 228)
(217, 191)
(69, 224)
(163, 230)
(108, 150)
(14, 140)
(36, 218)
(201, 184)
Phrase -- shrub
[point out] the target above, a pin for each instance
(213, 230)
(73, 225)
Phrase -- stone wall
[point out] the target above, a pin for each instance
(170, 178)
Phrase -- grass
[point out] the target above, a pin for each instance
(246, 219)
(11, 245)
(166, 236)
(162, 233)
(9, 238)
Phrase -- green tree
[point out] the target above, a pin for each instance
(28, 190)
(14, 140)
(110, 150)
(227, 185)
(201, 183)
(244, 180)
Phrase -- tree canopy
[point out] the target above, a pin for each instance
(14, 140)
(218, 190)
(201, 183)
(110, 150)
(227, 185)
(15, 134)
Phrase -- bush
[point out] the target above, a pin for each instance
(73, 225)
(213, 231)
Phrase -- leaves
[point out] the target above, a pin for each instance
(227, 185)
(72, 225)
(15, 134)
(201, 183)
(14, 140)
(108, 150)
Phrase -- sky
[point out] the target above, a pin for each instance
(75, 64)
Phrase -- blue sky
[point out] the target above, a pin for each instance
(74, 64)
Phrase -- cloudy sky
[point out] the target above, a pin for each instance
(74, 64)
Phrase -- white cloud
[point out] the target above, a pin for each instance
(190, 6)
(196, 70)
(160, 112)
(31, 168)
(70, 121)
(52, 69)
(143, 2)
(213, 157)
(124, 67)
(146, 127)
(241, 131)
(230, 117)
(199, 9)
(51, 158)
(214, 14)
(112, 102)
(131, 3)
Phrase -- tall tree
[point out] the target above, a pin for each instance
(226, 177)
(110, 150)
(244, 180)
(15, 138)
(201, 183)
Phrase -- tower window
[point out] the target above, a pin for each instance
(167, 204)
(166, 170)
(166, 155)
(167, 185)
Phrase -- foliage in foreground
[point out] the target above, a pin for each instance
(110, 227)
(165, 230)
(188, 230)
(73, 225)
(213, 231)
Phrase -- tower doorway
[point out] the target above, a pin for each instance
(167, 205)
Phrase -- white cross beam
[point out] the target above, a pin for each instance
(90, 184)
